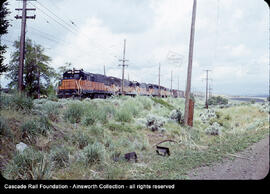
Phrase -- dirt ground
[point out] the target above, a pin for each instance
(251, 164)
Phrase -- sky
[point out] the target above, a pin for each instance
(231, 40)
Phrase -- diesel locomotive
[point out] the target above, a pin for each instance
(77, 83)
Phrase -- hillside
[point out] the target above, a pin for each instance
(87, 139)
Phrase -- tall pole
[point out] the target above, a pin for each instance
(123, 67)
(104, 71)
(22, 42)
(38, 71)
(189, 71)
(171, 80)
(159, 80)
(178, 83)
(206, 94)
(207, 91)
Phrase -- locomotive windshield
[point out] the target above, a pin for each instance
(75, 74)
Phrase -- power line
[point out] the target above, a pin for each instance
(54, 14)
(52, 2)
(61, 25)
(52, 18)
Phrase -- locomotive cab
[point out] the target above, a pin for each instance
(70, 84)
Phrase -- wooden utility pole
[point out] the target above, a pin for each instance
(210, 91)
(123, 67)
(171, 80)
(22, 40)
(178, 83)
(189, 71)
(159, 81)
(206, 92)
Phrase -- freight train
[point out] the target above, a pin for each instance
(77, 83)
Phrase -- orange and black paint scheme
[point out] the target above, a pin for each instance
(77, 83)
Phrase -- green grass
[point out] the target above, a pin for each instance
(163, 102)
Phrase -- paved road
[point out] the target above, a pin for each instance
(251, 164)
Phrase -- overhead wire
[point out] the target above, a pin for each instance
(64, 26)
(74, 27)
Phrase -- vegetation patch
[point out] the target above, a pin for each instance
(163, 102)
(74, 112)
(88, 139)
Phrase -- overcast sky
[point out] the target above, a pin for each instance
(231, 39)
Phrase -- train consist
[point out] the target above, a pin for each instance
(77, 83)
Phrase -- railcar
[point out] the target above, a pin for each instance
(77, 83)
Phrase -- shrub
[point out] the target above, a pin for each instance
(90, 117)
(44, 125)
(109, 110)
(207, 115)
(34, 127)
(81, 139)
(93, 153)
(74, 112)
(4, 128)
(16, 102)
(177, 115)
(118, 127)
(51, 109)
(123, 115)
(154, 122)
(60, 156)
(98, 113)
(29, 127)
(162, 102)
(217, 100)
(5, 101)
(22, 102)
(214, 129)
(96, 130)
(145, 101)
(28, 165)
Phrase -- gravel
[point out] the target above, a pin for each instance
(250, 164)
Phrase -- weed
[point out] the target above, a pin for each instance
(81, 139)
(162, 102)
(4, 128)
(34, 127)
(22, 102)
(51, 109)
(93, 153)
(123, 115)
(74, 112)
(115, 173)
(96, 130)
(60, 156)
(118, 127)
(26, 166)
(17, 101)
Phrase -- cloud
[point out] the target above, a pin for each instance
(231, 38)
